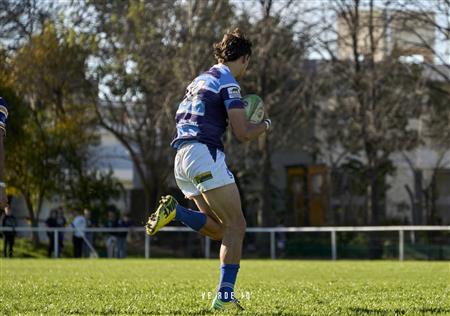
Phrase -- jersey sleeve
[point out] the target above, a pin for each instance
(231, 97)
(3, 114)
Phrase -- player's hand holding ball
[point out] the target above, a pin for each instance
(254, 110)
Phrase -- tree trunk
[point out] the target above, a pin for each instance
(376, 216)
(369, 203)
(269, 218)
(418, 215)
(413, 203)
(433, 209)
(265, 211)
(375, 242)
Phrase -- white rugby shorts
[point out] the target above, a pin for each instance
(196, 171)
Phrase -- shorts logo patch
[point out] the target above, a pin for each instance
(202, 177)
(234, 92)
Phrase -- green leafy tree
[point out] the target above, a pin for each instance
(49, 74)
(90, 189)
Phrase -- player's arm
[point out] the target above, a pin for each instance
(3, 117)
(244, 130)
(2, 158)
(2, 155)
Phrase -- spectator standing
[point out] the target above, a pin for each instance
(61, 222)
(124, 222)
(111, 239)
(52, 222)
(281, 241)
(89, 236)
(8, 220)
(79, 225)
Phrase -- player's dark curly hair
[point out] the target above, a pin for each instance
(233, 45)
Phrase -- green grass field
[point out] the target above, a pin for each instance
(181, 287)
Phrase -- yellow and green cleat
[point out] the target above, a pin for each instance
(163, 215)
(233, 305)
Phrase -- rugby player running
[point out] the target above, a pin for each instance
(211, 101)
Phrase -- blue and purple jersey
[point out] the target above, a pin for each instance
(202, 115)
(3, 114)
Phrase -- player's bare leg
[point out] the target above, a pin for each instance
(213, 227)
(226, 204)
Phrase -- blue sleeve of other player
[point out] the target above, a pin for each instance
(3, 114)
(231, 97)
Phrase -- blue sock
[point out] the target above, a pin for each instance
(228, 274)
(193, 219)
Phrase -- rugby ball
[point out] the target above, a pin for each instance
(254, 108)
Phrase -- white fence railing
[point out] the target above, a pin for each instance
(270, 230)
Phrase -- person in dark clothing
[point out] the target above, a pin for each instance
(124, 222)
(61, 221)
(52, 223)
(8, 220)
(111, 240)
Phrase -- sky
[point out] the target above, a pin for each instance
(442, 44)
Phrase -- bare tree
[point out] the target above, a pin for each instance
(148, 53)
(281, 76)
(21, 19)
(434, 18)
(434, 138)
(373, 96)
(429, 26)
